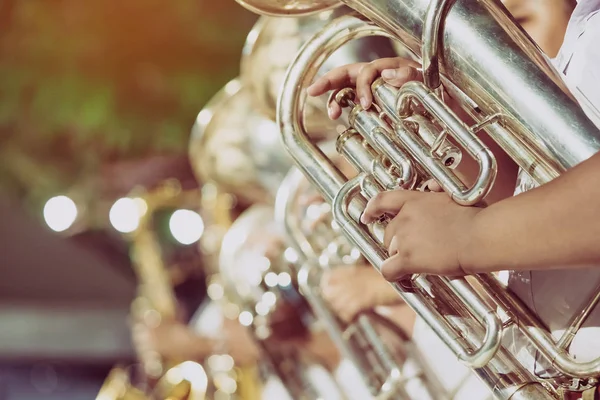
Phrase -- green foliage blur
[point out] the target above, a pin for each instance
(88, 82)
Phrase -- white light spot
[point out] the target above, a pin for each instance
(269, 299)
(262, 308)
(232, 87)
(204, 117)
(264, 264)
(215, 291)
(503, 277)
(124, 215)
(291, 255)
(246, 318)
(271, 279)
(186, 226)
(141, 205)
(284, 279)
(59, 213)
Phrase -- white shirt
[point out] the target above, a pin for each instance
(555, 295)
(458, 381)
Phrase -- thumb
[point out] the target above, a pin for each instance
(399, 76)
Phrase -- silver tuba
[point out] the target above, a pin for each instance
(502, 80)
(387, 372)
(254, 269)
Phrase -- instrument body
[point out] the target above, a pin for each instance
(319, 246)
(156, 302)
(253, 266)
(240, 152)
(512, 93)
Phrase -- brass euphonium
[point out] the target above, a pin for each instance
(502, 80)
(162, 379)
(254, 268)
(319, 246)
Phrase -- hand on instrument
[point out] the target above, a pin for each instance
(395, 71)
(171, 339)
(238, 343)
(323, 348)
(352, 290)
(427, 234)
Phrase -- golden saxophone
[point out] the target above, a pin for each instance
(476, 52)
(318, 246)
(172, 379)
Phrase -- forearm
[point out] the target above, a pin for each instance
(555, 225)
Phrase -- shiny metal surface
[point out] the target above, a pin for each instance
(520, 102)
(253, 265)
(272, 45)
(434, 300)
(320, 246)
(236, 148)
(487, 65)
(156, 302)
(291, 8)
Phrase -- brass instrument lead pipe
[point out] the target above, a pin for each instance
(500, 69)
(391, 386)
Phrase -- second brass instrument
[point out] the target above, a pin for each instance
(253, 264)
(173, 379)
(237, 151)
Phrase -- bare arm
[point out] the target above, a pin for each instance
(555, 224)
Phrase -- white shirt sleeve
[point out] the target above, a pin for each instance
(583, 69)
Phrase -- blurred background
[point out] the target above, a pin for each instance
(96, 98)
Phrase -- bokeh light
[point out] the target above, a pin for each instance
(125, 214)
(186, 226)
(60, 213)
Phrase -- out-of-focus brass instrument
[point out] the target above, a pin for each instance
(240, 157)
(254, 267)
(501, 79)
(237, 149)
(319, 245)
(272, 45)
(164, 379)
